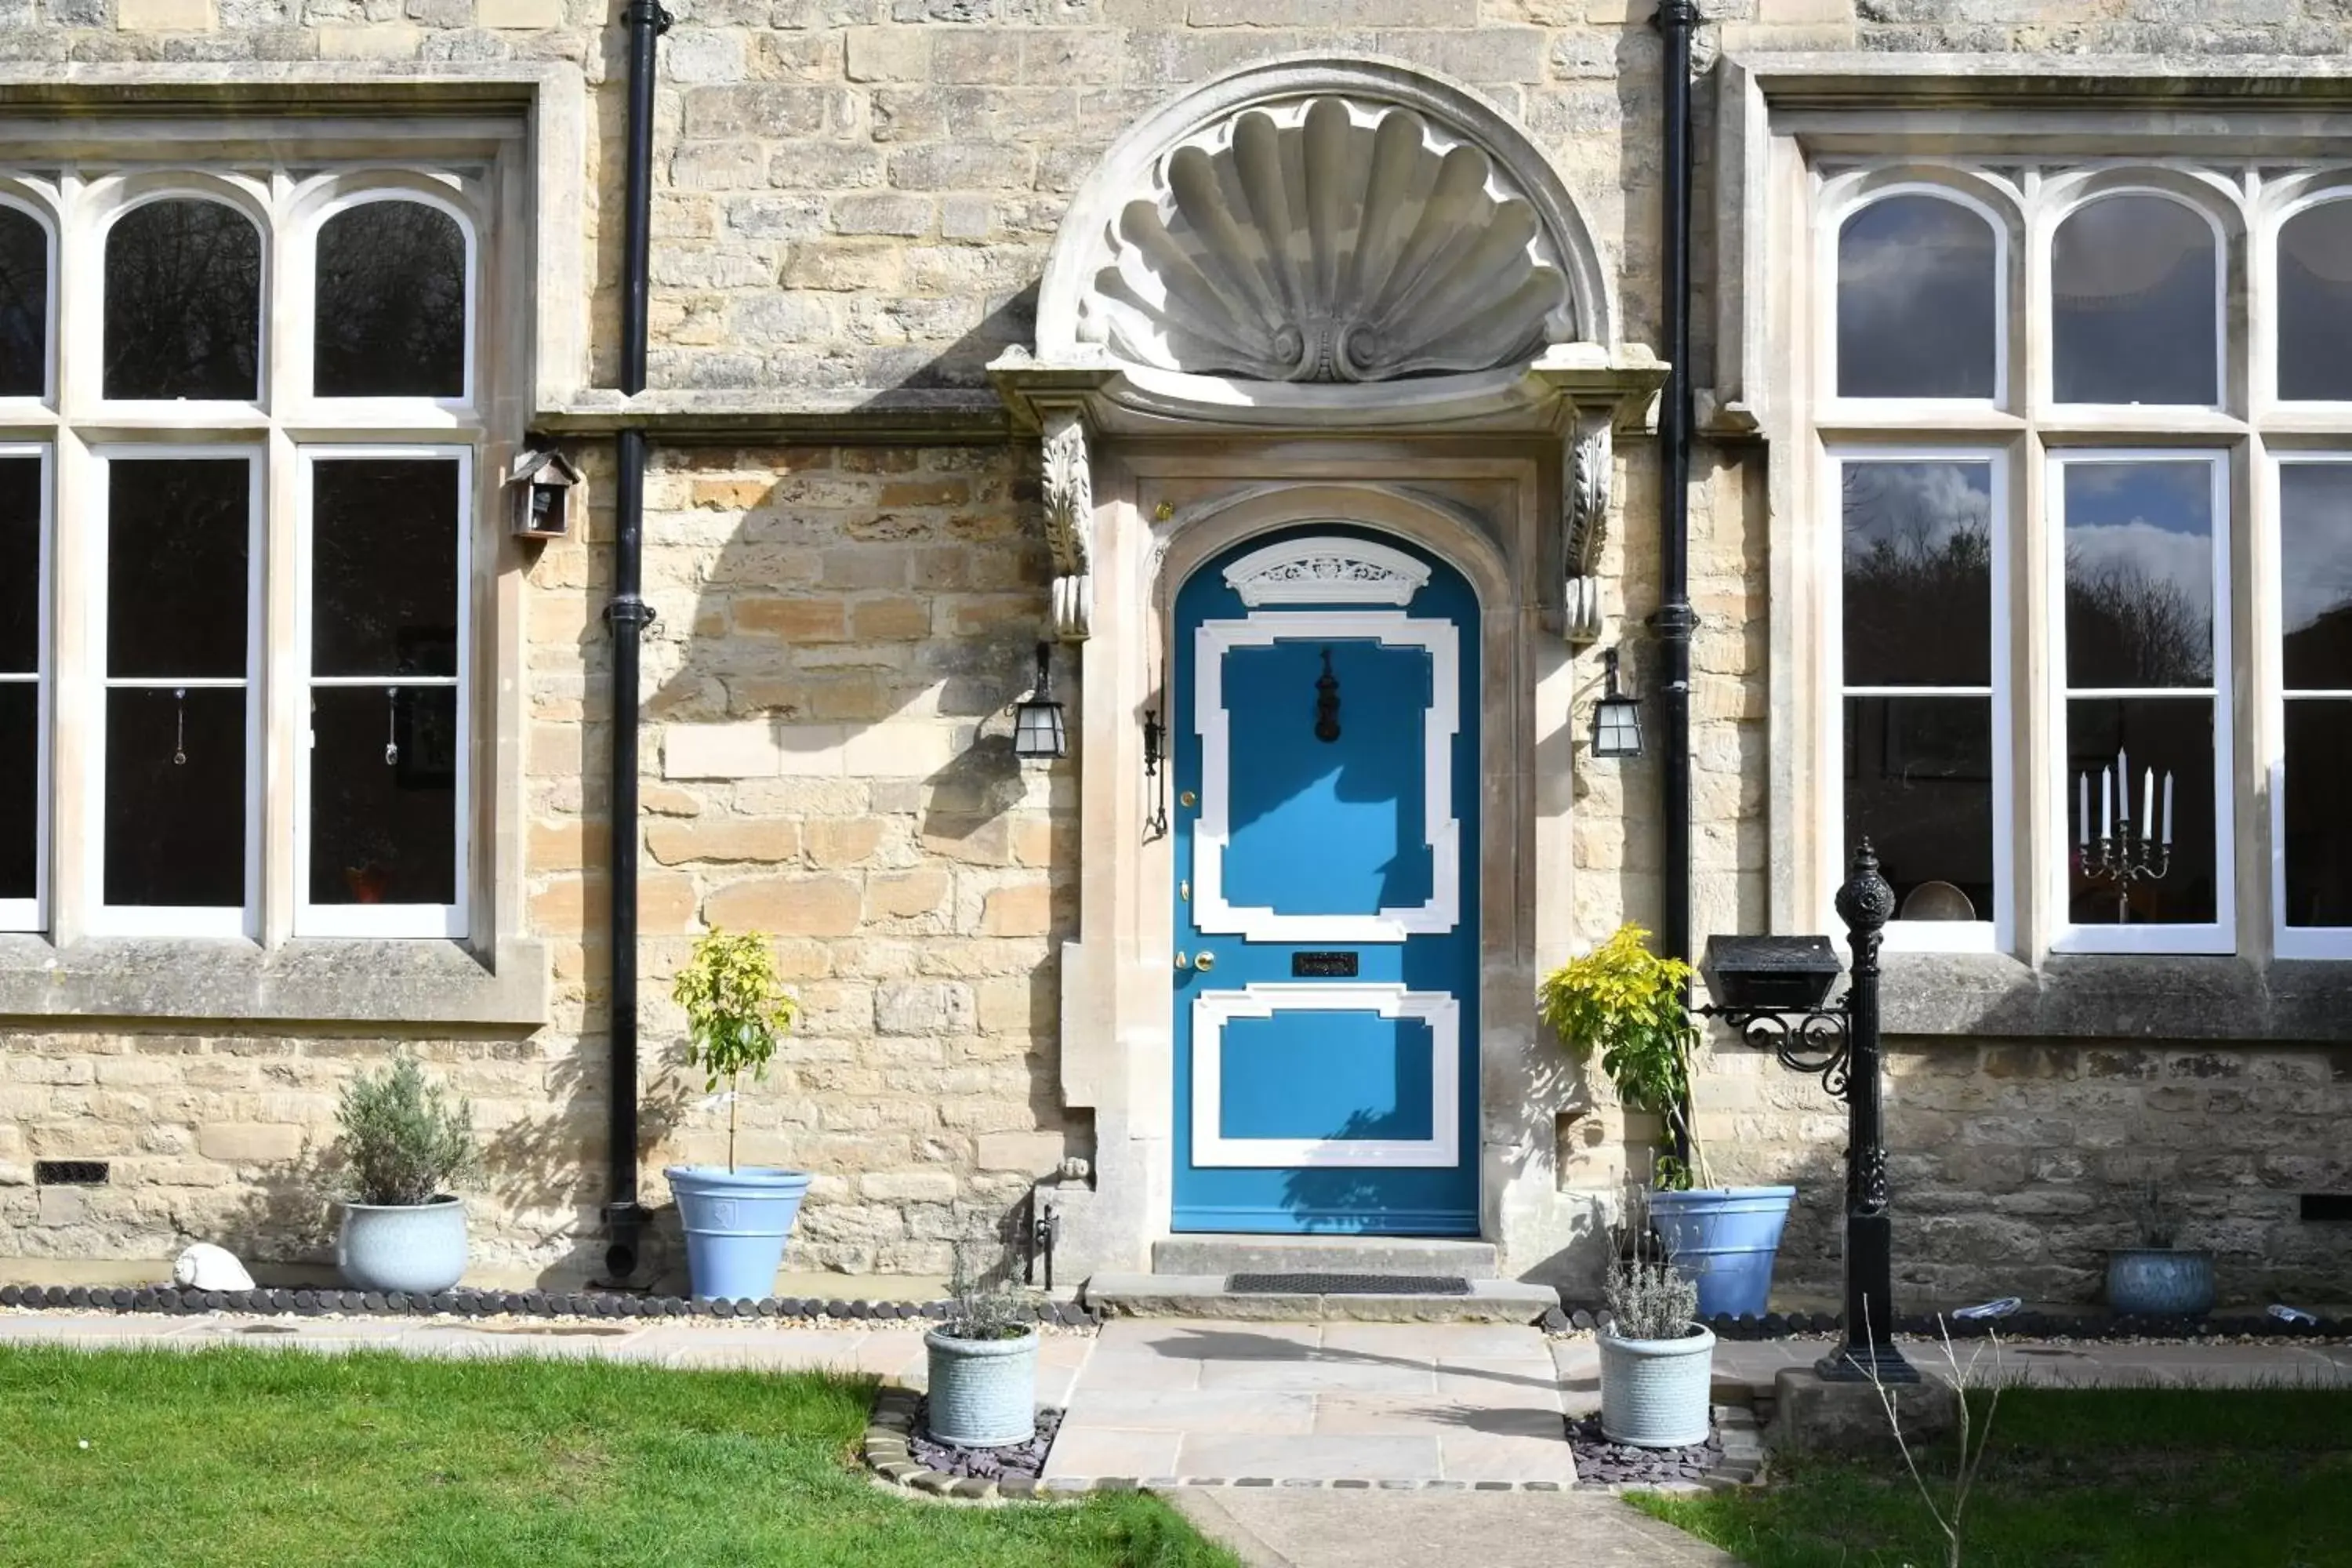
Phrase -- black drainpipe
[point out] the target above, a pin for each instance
(626, 614)
(1677, 20)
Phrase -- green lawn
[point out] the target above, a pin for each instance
(249, 1457)
(2087, 1478)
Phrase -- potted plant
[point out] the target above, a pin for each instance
(403, 1146)
(984, 1366)
(1657, 1363)
(2157, 1278)
(737, 1219)
(1626, 1006)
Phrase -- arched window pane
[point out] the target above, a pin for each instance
(1917, 312)
(24, 304)
(392, 303)
(2315, 304)
(2134, 291)
(182, 302)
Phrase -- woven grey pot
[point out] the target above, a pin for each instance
(2159, 1282)
(984, 1392)
(416, 1248)
(1653, 1393)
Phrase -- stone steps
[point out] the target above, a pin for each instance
(1226, 1254)
(1205, 1296)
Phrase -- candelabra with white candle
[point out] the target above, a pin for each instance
(2119, 855)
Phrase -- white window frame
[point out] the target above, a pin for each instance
(2327, 188)
(383, 920)
(2088, 191)
(19, 197)
(1927, 936)
(288, 199)
(1847, 198)
(2287, 940)
(147, 920)
(2058, 786)
(32, 915)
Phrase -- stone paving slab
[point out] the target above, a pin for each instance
(1376, 1529)
(1312, 1404)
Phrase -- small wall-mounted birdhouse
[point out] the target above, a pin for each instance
(541, 482)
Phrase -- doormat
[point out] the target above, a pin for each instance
(1347, 1284)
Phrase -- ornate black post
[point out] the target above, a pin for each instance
(1774, 990)
(1865, 903)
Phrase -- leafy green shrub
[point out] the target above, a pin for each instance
(735, 1010)
(1625, 1003)
(404, 1142)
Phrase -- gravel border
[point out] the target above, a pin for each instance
(2017, 1326)
(1735, 1445)
(321, 1301)
(889, 1454)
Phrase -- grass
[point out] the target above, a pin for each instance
(2116, 1477)
(246, 1457)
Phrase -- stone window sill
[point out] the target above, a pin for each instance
(2116, 997)
(310, 981)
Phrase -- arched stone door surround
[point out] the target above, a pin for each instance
(1269, 306)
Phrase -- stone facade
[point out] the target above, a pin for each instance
(853, 201)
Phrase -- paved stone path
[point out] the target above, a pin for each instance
(1424, 1529)
(1162, 1400)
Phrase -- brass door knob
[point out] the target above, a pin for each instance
(1205, 961)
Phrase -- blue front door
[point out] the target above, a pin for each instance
(1325, 695)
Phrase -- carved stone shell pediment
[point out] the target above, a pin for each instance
(1328, 239)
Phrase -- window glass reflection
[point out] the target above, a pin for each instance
(2134, 283)
(24, 304)
(2139, 574)
(182, 302)
(2316, 574)
(391, 303)
(1918, 554)
(1919, 787)
(2124, 755)
(1917, 301)
(2314, 303)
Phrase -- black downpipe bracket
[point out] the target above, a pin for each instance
(626, 615)
(1677, 20)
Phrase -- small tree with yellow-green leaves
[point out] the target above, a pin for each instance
(735, 1011)
(1625, 1003)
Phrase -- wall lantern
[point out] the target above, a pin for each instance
(541, 482)
(1616, 718)
(1038, 733)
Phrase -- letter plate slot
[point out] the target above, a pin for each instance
(1323, 965)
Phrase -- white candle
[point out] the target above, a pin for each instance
(2123, 784)
(2106, 803)
(2167, 808)
(2082, 812)
(2146, 803)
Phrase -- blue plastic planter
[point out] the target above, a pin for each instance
(735, 1222)
(1724, 1238)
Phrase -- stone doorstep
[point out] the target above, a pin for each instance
(1212, 1253)
(1205, 1296)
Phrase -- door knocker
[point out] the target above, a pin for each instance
(1326, 702)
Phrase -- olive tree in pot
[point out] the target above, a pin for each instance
(737, 1219)
(983, 1365)
(404, 1145)
(2157, 1278)
(1625, 1005)
(1657, 1362)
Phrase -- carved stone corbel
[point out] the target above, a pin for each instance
(1070, 524)
(1589, 460)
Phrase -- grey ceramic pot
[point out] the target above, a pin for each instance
(2159, 1282)
(1654, 1393)
(416, 1248)
(984, 1392)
